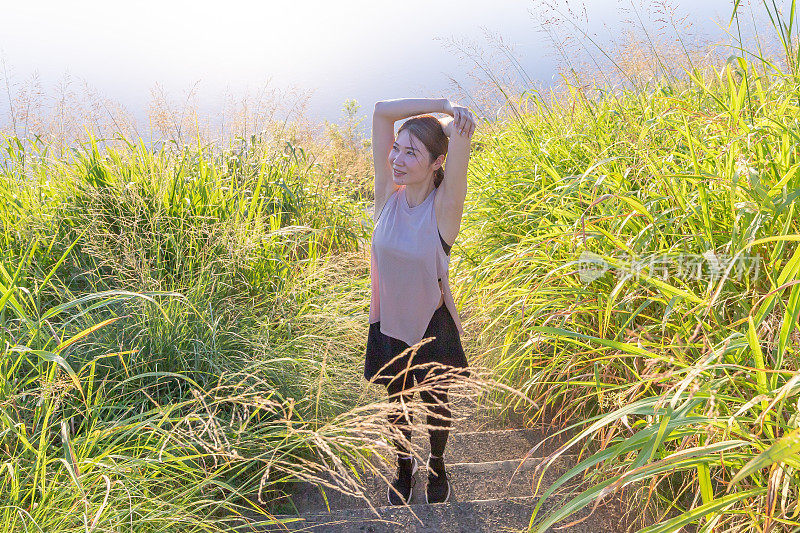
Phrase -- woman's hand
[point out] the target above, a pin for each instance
(462, 122)
(447, 125)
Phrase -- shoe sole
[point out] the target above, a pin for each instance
(414, 469)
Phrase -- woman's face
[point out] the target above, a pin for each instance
(409, 160)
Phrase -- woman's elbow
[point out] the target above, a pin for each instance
(379, 105)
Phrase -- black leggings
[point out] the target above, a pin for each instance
(438, 417)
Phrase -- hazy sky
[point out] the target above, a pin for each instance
(367, 50)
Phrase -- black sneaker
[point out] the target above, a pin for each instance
(438, 489)
(402, 486)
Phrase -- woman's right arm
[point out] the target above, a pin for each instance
(402, 108)
(382, 141)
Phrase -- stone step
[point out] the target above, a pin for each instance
(467, 516)
(471, 416)
(480, 446)
(491, 488)
(468, 481)
(476, 516)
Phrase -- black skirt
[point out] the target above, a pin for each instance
(444, 349)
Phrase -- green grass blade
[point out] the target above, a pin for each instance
(782, 451)
(713, 506)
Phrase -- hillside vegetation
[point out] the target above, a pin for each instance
(184, 325)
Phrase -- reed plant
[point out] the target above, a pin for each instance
(165, 320)
(634, 264)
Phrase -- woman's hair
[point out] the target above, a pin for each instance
(429, 131)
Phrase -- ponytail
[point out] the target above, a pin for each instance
(438, 176)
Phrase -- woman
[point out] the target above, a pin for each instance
(418, 209)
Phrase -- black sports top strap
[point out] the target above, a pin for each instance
(445, 246)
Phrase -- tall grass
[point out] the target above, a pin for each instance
(159, 342)
(680, 388)
(180, 323)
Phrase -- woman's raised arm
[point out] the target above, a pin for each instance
(408, 107)
(453, 193)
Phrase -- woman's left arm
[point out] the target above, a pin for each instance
(459, 130)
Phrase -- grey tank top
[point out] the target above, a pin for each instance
(407, 260)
